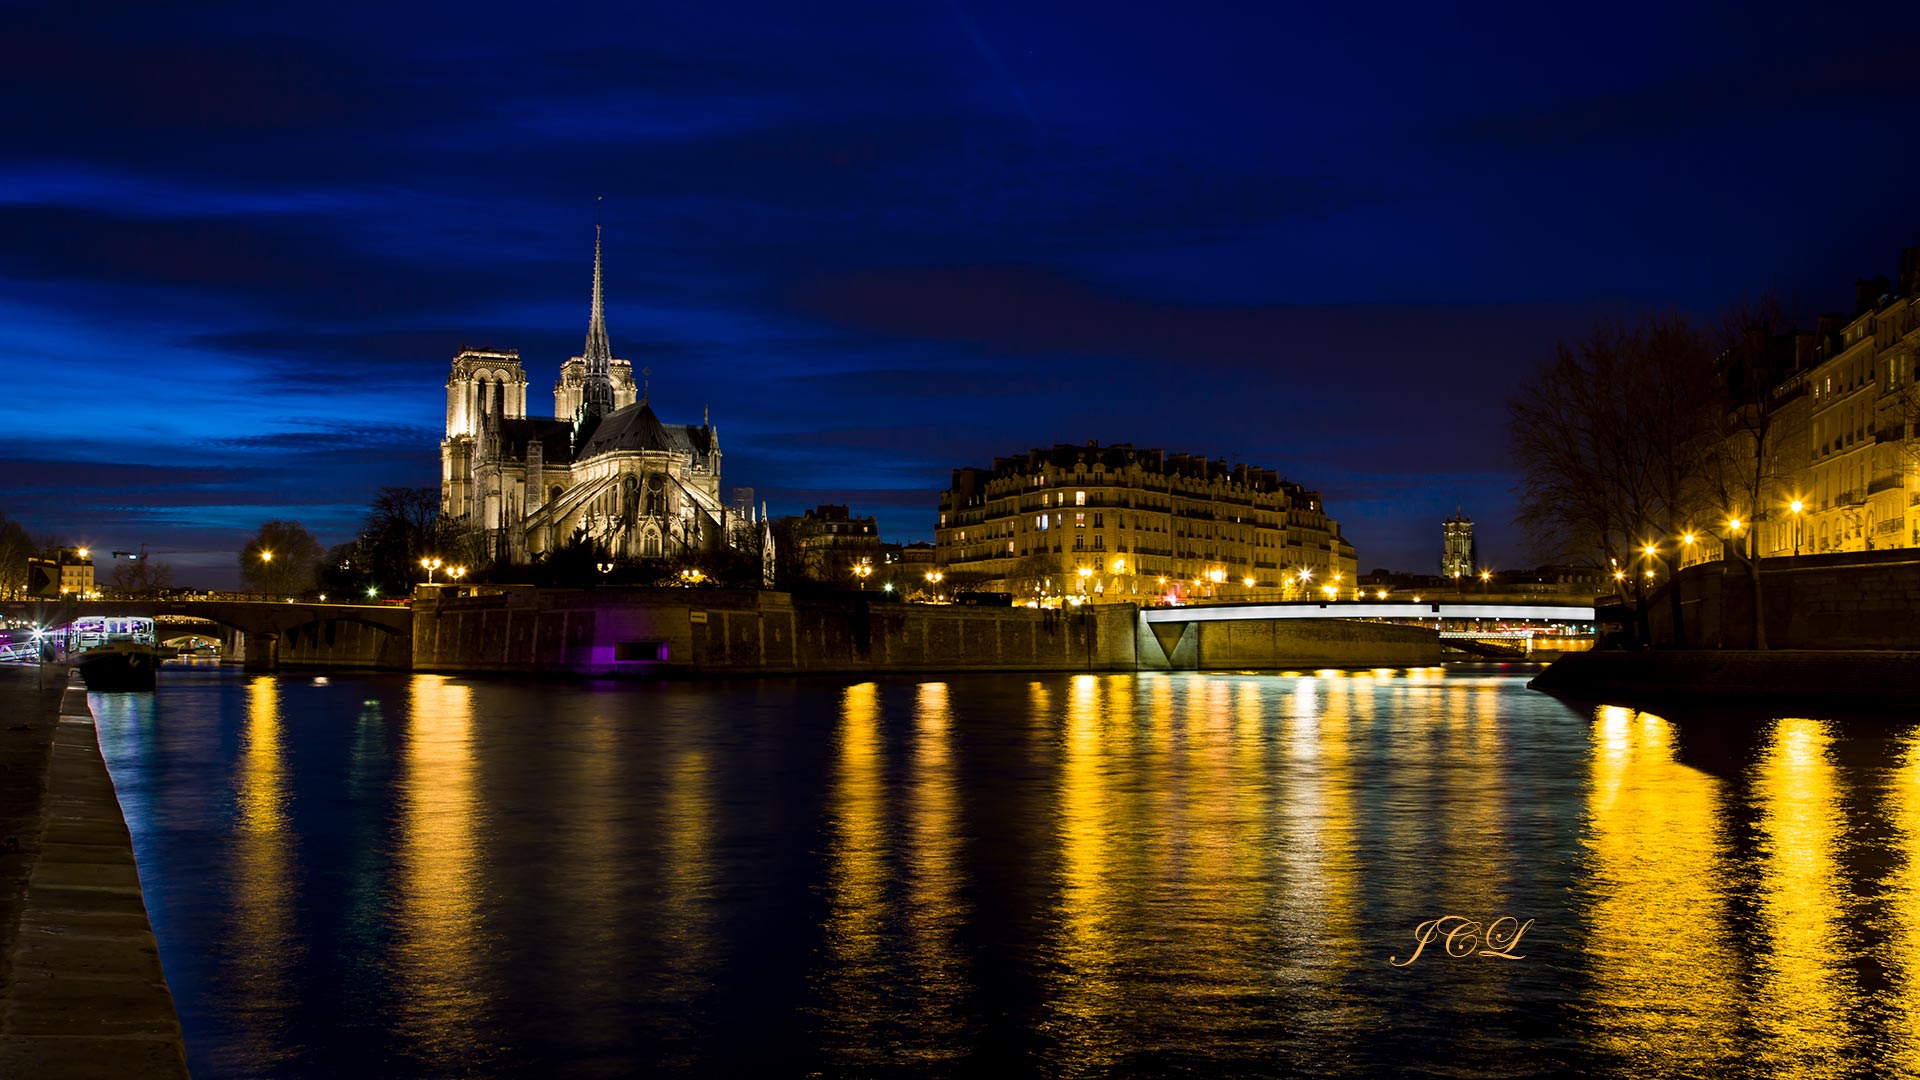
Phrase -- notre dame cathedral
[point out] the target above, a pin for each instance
(604, 464)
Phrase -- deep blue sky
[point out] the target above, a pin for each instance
(239, 246)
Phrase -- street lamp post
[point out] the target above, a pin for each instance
(1796, 506)
(934, 577)
(862, 570)
(430, 565)
(266, 564)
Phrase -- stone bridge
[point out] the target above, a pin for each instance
(267, 633)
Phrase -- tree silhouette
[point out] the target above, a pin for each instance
(282, 559)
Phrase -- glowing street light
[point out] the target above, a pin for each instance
(430, 565)
(83, 553)
(1796, 506)
(863, 570)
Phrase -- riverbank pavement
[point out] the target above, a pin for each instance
(81, 990)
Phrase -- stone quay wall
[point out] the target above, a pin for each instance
(748, 632)
(721, 632)
(1286, 643)
(82, 993)
(1855, 600)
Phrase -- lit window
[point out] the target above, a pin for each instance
(1079, 498)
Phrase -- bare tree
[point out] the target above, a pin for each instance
(1613, 440)
(16, 547)
(1755, 354)
(282, 559)
(962, 582)
(139, 578)
(1032, 575)
(400, 531)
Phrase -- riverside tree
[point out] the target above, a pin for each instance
(1744, 477)
(16, 547)
(282, 559)
(1613, 439)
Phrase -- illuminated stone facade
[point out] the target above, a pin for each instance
(603, 464)
(1457, 557)
(1114, 523)
(1843, 440)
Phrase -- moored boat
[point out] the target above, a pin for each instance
(119, 666)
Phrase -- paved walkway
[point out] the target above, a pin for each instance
(81, 991)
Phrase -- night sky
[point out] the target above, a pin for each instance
(239, 246)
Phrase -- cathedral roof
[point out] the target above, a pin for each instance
(518, 433)
(635, 427)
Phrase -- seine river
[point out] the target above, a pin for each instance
(1139, 875)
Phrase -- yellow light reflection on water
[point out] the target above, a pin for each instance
(265, 950)
(1903, 904)
(1315, 874)
(1659, 949)
(857, 876)
(440, 938)
(1805, 993)
(1088, 903)
(935, 908)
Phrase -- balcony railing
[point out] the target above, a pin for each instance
(1850, 497)
(1885, 483)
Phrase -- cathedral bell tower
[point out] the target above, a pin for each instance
(596, 393)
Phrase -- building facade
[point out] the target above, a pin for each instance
(1840, 448)
(1114, 523)
(76, 571)
(831, 540)
(603, 466)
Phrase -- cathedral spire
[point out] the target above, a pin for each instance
(599, 354)
(596, 396)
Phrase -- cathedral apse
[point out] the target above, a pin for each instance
(604, 463)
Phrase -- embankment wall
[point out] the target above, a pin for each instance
(679, 631)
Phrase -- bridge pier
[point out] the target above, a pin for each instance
(263, 652)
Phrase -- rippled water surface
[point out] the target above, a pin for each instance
(1077, 876)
